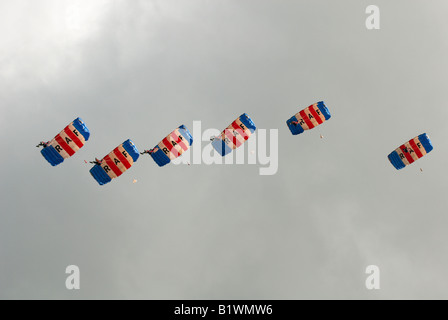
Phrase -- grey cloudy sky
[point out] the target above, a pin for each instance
(138, 69)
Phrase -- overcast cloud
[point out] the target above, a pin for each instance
(138, 69)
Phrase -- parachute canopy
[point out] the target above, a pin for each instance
(172, 146)
(308, 118)
(234, 135)
(66, 143)
(410, 151)
(115, 163)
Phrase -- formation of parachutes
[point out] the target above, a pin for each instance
(73, 137)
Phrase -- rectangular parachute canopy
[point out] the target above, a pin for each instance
(238, 132)
(115, 163)
(172, 146)
(410, 151)
(67, 142)
(308, 118)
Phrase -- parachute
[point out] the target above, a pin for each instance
(115, 163)
(234, 135)
(308, 118)
(410, 151)
(66, 143)
(172, 146)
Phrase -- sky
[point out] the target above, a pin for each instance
(138, 69)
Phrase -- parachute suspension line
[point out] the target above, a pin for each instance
(320, 133)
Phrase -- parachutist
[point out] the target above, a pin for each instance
(150, 151)
(43, 144)
(96, 161)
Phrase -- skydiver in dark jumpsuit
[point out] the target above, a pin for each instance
(43, 144)
(96, 161)
(150, 151)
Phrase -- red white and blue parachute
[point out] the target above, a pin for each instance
(410, 151)
(172, 146)
(66, 143)
(308, 118)
(234, 135)
(115, 163)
